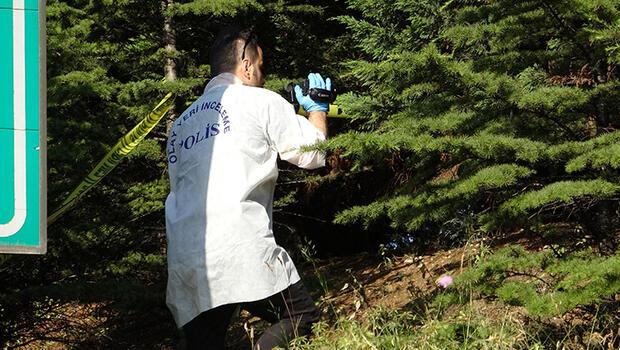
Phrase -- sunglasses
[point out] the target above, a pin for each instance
(251, 37)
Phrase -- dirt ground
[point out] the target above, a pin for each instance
(352, 286)
(349, 287)
(346, 287)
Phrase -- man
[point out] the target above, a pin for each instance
(222, 154)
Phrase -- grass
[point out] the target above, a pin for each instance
(495, 304)
(388, 329)
(498, 301)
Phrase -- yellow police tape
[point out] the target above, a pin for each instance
(333, 112)
(127, 143)
(123, 147)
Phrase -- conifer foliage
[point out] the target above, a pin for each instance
(108, 64)
(504, 111)
(466, 115)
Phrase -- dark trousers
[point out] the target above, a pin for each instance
(290, 312)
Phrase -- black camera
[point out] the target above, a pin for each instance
(318, 95)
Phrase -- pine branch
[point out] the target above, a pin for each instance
(563, 23)
(280, 211)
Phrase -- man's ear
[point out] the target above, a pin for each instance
(245, 65)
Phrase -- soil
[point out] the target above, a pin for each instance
(346, 287)
(354, 285)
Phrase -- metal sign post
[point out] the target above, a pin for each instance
(23, 185)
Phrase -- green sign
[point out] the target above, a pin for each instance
(22, 127)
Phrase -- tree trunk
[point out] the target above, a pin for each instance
(170, 65)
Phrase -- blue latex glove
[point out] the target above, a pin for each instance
(315, 81)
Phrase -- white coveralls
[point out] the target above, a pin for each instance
(222, 155)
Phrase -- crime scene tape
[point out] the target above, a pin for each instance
(123, 147)
(333, 112)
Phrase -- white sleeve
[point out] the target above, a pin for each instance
(288, 132)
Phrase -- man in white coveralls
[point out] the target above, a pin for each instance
(222, 154)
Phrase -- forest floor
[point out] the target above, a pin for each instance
(354, 288)
(350, 287)
(347, 288)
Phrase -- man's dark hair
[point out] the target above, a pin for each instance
(230, 46)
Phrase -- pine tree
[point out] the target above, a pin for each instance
(109, 63)
(506, 112)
